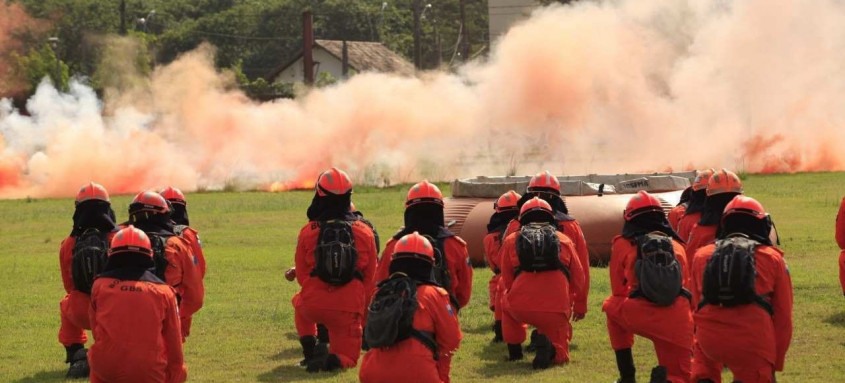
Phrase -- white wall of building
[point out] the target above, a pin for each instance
(323, 62)
(504, 13)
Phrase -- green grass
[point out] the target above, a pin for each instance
(245, 331)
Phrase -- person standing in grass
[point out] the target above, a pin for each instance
(840, 239)
(542, 275)
(426, 326)
(692, 214)
(82, 256)
(649, 297)
(335, 263)
(134, 317)
(722, 187)
(743, 294)
(505, 210)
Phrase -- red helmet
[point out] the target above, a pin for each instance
(424, 192)
(640, 204)
(724, 181)
(92, 191)
(333, 181)
(507, 201)
(413, 246)
(544, 182)
(701, 179)
(744, 205)
(535, 204)
(131, 240)
(173, 195)
(149, 201)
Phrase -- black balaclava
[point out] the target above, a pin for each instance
(330, 207)
(696, 201)
(646, 223)
(756, 229)
(425, 218)
(151, 223)
(179, 213)
(130, 266)
(94, 214)
(417, 269)
(499, 220)
(714, 206)
(537, 216)
(685, 196)
(561, 211)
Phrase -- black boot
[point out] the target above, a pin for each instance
(332, 363)
(71, 350)
(545, 353)
(514, 352)
(705, 381)
(328, 362)
(497, 330)
(79, 368)
(625, 364)
(532, 343)
(308, 344)
(659, 375)
(321, 354)
(322, 334)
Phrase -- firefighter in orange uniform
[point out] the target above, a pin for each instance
(182, 228)
(748, 331)
(177, 266)
(541, 274)
(335, 264)
(680, 209)
(547, 187)
(651, 312)
(94, 219)
(135, 318)
(692, 214)
(506, 209)
(722, 187)
(437, 331)
(840, 239)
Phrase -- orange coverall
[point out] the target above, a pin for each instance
(457, 260)
(669, 328)
(685, 225)
(840, 239)
(541, 299)
(749, 341)
(192, 238)
(136, 333)
(699, 237)
(74, 305)
(492, 244)
(339, 308)
(186, 279)
(409, 360)
(675, 216)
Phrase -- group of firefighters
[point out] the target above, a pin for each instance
(706, 284)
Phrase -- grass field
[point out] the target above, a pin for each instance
(245, 331)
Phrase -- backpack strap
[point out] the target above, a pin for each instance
(683, 293)
(759, 300)
(427, 339)
(563, 268)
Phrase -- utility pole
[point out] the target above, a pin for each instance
(417, 8)
(464, 32)
(123, 17)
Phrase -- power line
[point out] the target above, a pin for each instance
(243, 37)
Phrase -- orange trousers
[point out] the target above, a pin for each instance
(185, 324)
(74, 316)
(554, 326)
(345, 331)
(745, 366)
(842, 270)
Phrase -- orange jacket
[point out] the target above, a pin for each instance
(457, 260)
(572, 229)
(675, 216)
(685, 225)
(546, 291)
(750, 327)
(136, 332)
(699, 237)
(840, 225)
(623, 257)
(492, 244)
(409, 360)
(192, 237)
(351, 297)
(66, 260)
(183, 275)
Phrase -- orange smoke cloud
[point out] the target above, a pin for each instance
(589, 88)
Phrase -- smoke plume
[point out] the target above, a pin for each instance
(597, 87)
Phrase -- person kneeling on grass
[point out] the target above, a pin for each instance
(134, 318)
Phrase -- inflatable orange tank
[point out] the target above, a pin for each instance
(596, 201)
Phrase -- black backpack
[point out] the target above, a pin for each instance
(731, 273)
(658, 271)
(335, 257)
(538, 249)
(159, 244)
(440, 270)
(390, 317)
(89, 259)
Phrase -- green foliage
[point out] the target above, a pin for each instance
(41, 62)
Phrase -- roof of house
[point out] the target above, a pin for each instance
(364, 56)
